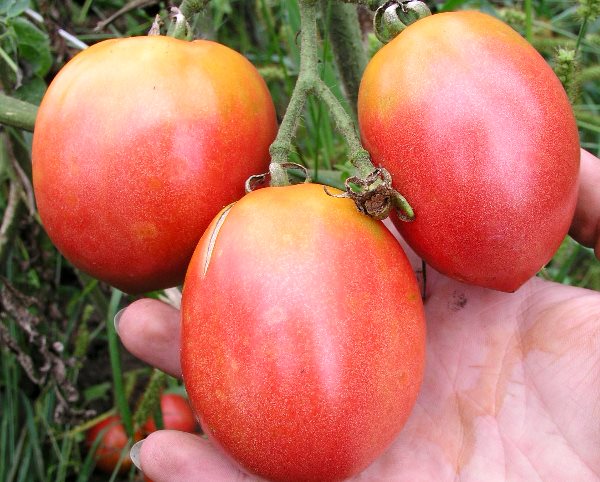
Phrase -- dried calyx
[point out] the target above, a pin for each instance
(375, 196)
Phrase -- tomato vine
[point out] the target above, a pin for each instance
(376, 196)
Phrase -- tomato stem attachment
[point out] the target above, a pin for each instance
(394, 16)
(375, 195)
(275, 169)
(181, 28)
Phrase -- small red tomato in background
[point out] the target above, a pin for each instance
(478, 134)
(138, 143)
(176, 415)
(113, 442)
(303, 334)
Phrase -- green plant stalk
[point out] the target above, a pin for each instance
(95, 293)
(150, 401)
(282, 146)
(115, 362)
(309, 82)
(529, 20)
(348, 49)
(581, 34)
(359, 157)
(17, 113)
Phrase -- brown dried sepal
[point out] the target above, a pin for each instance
(376, 197)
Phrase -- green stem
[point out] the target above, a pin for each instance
(529, 20)
(115, 362)
(358, 155)
(282, 146)
(17, 113)
(581, 34)
(309, 82)
(348, 49)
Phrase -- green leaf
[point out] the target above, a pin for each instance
(31, 90)
(12, 8)
(33, 46)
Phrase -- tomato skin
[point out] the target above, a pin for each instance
(303, 335)
(130, 141)
(113, 440)
(176, 414)
(478, 134)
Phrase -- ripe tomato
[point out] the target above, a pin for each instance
(303, 335)
(138, 143)
(113, 441)
(478, 134)
(176, 414)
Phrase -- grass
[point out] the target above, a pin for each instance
(72, 312)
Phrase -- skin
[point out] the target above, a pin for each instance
(510, 390)
(479, 136)
(125, 153)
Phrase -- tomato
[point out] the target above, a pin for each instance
(113, 442)
(176, 414)
(478, 134)
(303, 334)
(138, 143)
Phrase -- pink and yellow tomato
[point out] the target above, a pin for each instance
(478, 134)
(138, 143)
(303, 335)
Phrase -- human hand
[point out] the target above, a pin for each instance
(510, 390)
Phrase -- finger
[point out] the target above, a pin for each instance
(586, 223)
(150, 329)
(168, 455)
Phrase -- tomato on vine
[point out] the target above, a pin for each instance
(138, 143)
(176, 415)
(111, 444)
(303, 334)
(479, 136)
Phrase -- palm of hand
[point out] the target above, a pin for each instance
(511, 389)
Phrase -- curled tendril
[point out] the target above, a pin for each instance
(259, 180)
(376, 197)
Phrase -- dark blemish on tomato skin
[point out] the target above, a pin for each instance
(458, 301)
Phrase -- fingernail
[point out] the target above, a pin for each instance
(118, 318)
(134, 454)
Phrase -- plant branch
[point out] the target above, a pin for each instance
(17, 113)
(376, 196)
(282, 146)
(348, 49)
